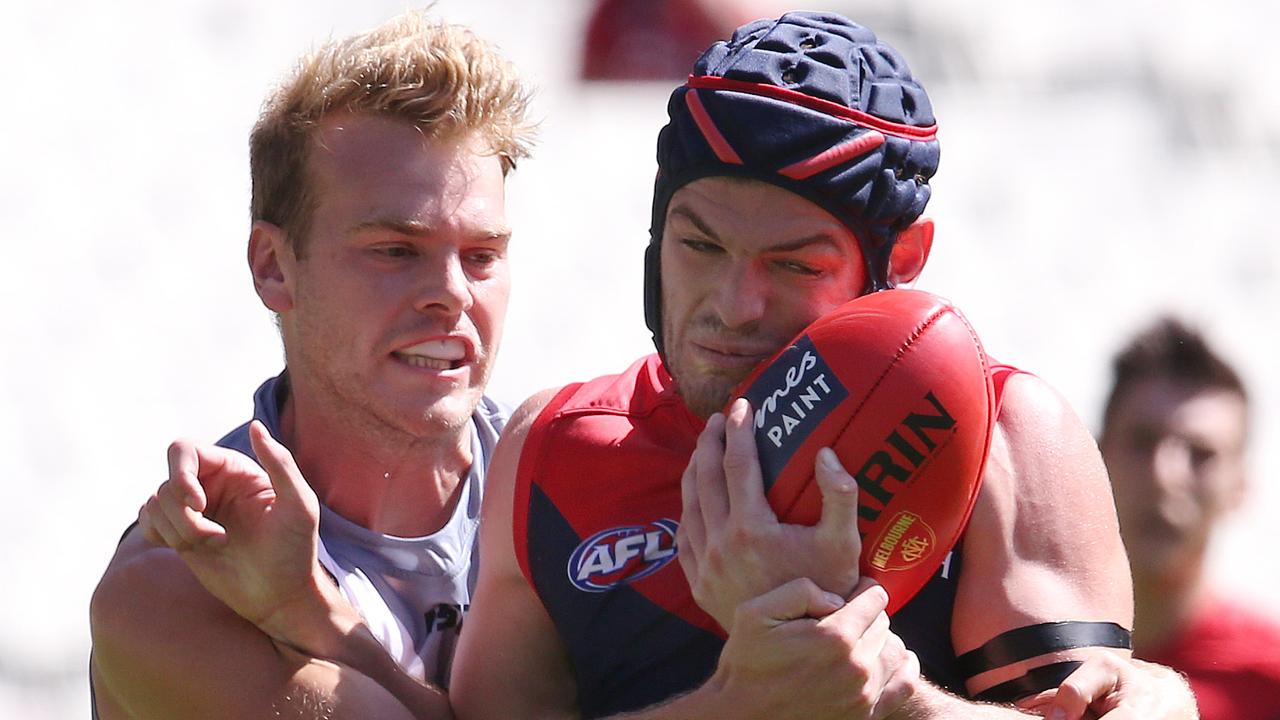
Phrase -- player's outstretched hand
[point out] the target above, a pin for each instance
(1110, 687)
(732, 546)
(248, 534)
(781, 662)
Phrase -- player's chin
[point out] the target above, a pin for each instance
(706, 395)
(448, 413)
(706, 388)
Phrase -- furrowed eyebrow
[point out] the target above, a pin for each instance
(694, 219)
(806, 242)
(820, 238)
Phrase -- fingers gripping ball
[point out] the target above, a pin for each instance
(896, 382)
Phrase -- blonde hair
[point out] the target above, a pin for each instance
(441, 78)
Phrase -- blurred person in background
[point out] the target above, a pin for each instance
(1174, 438)
(660, 39)
(379, 241)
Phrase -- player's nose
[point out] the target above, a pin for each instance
(1170, 464)
(443, 285)
(741, 295)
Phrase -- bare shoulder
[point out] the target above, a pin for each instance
(1043, 543)
(140, 580)
(1036, 418)
(117, 617)
(1042, 452)
(501, 479)
(149, 617)
(521, 420)
(164, 647)
(510, 662)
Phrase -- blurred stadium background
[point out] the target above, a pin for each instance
(1102, 162)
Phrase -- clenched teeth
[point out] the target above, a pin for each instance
(448, 349)
(426, 362)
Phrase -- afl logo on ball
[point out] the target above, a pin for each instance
(622, 555)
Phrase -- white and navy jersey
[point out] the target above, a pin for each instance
(412, 592)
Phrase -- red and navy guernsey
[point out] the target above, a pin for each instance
(597, 505)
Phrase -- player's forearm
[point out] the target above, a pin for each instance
(377, 688)
(707, 702)
(932, 703)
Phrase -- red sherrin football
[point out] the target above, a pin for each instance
(897, 383)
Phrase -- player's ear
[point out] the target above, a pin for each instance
(911, 251)
(271, 261)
